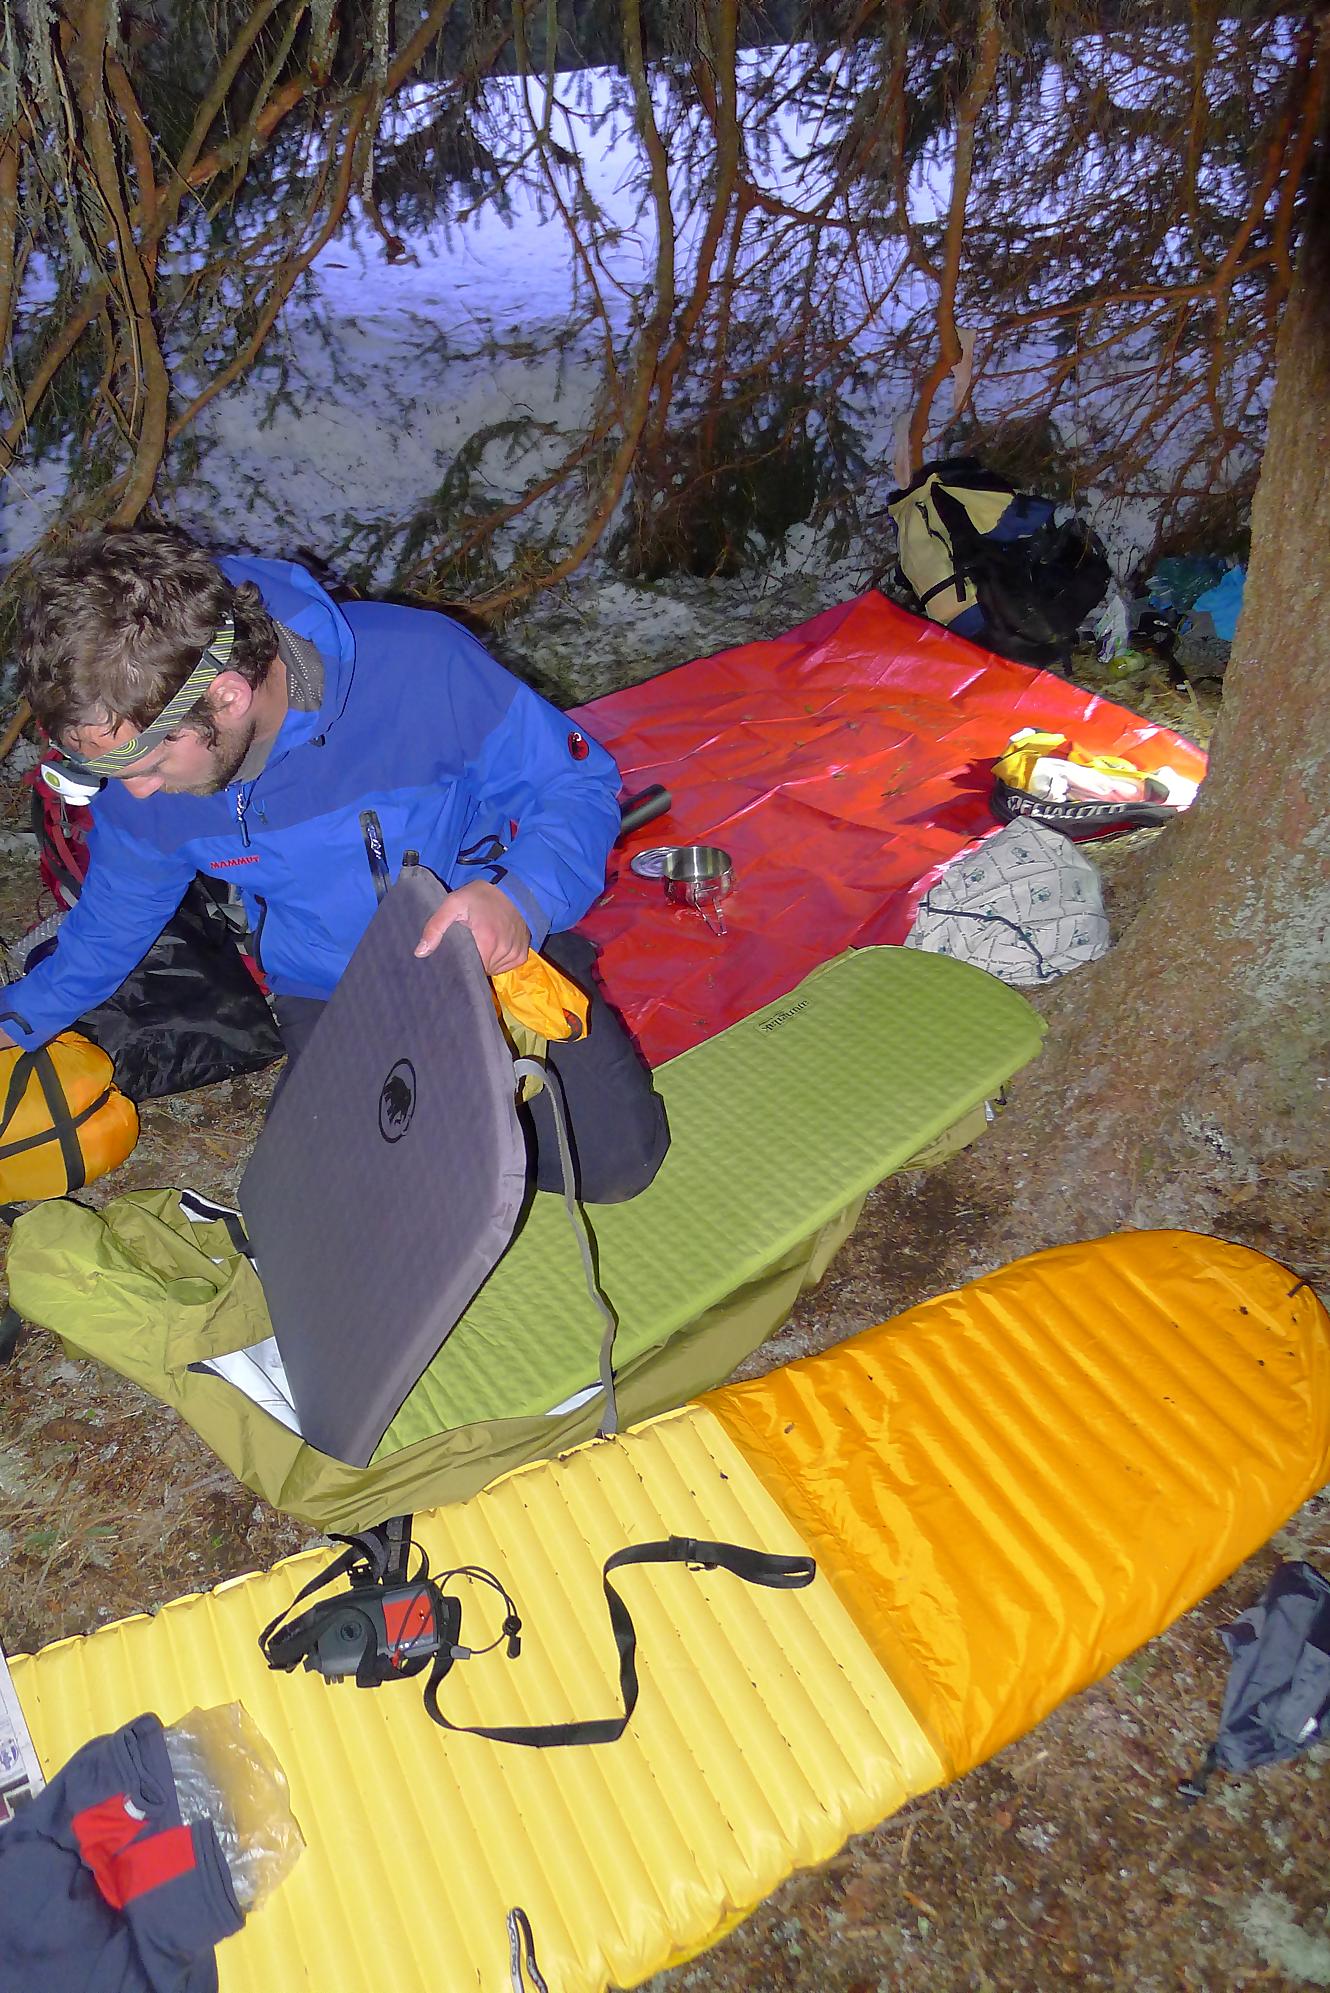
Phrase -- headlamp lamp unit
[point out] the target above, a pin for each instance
(69, 781)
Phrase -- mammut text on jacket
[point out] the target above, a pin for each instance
(461, 763)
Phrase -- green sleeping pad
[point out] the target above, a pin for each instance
(780, 1126)
(776, 1125)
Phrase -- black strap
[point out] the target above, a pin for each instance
(755, 1567)
(369, 1551)
(206, 1211)
(64, 1125)
(1189, 1790)
(522, 1965)
(962, 539)
(376, 851)
(62, 1121)
(52, 1134)
(395, 1536)
(966, 539)
(957, 579)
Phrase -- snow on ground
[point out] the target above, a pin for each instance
(379, 373)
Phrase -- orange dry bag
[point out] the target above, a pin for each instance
(63, 1123)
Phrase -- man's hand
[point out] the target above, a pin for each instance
(501, 934)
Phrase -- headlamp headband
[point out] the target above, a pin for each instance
(216, 658)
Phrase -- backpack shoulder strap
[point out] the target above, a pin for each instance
(965, 537)
(965, 543)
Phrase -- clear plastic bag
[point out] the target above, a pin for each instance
(227, 1773)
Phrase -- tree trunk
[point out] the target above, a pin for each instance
(1187, 1080)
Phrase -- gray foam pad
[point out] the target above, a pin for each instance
(389, 1177)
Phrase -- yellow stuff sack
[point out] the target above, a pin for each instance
(63, 1123)
(1016, 764)
(540, 997)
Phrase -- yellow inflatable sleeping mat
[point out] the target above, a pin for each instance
(767, 1732)
(1007, 1490)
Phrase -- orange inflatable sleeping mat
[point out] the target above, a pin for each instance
(1015, 1485)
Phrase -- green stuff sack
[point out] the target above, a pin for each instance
(156, 1295)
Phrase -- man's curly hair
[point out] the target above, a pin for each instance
(111, 627)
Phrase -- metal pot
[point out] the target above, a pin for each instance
(700, 876)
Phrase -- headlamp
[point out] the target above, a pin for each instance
(77, 778)
(68, 780)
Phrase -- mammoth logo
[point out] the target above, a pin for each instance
(397, 1101)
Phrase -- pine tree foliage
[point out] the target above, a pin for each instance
(1055, 222)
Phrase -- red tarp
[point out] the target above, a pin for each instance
(840, 766)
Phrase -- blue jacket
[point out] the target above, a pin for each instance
(462, 763)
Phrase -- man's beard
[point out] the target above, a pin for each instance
(228, 758)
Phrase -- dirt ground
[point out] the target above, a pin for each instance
(1066, 1859)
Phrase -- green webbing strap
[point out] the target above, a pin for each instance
(18, 1086)
(216, 657)
(536, 1069)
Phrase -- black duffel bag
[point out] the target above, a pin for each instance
(192, 1012)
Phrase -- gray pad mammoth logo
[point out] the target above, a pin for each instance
(397, 1101)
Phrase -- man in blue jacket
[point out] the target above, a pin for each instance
(245, 725)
